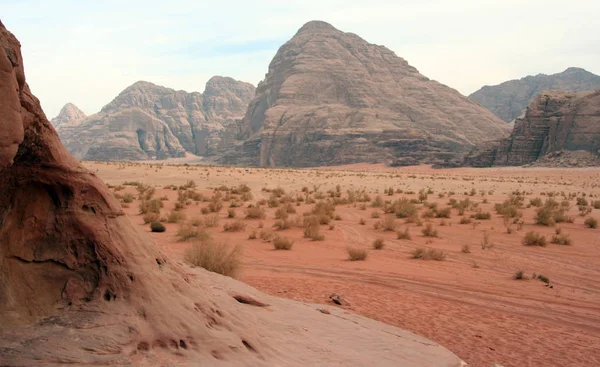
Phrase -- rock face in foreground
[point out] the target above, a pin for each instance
(555, 121)
(81, 285)
(509, 99)
(147, 121)
(332, 98)
(68, 114)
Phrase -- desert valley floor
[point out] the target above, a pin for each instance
(470, 301)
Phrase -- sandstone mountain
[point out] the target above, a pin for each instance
(332, 98)
(68, 114)
(81, 285)
(509, 99)
(147, 121)
(555, 122)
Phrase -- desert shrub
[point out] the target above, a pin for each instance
(591, 222)
(281, 213)
(312, 228)
(282, 243)
(266, 235)
(485, 242)
(422, 195)
(356, 254)
(543, 278)
(362, 221)
(151, 217)
(537, 202)
(255, 212)
(230, 213)
(234, 226)
(404, 208)
(444, 213)
(175, 216)
(157, 227)
(429, 231)
(483, 215)
(534, 239)
(127, 198)
(283, 224)
(289, 208)
(204, 210)
(196, 222)
(375, 214)
(403, 235)
(378, 244)
(561, 239)
(215, 206)
(216, 257)
(187, 232)
(378, 202)
(388, 223)
(545, 216)
(596, 204)
(211, 220)
(582, 202)
(519, 275)
(466, 220)
(429, 254)
(252, 235)
(323, 210)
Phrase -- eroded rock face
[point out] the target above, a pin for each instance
(68, 114)
(509, 99)
(555, 121)
(81, 285)
(147, 121)
(332, 98)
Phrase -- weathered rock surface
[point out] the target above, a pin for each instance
(68, 114)
(147, 121)
(80, 285)
(509, 99)
(332, 98)
(555, 121)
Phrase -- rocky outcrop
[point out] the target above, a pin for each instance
(555, 121)
(509, 99)
(147, 121)
(81, 285)
(332, 98)
(68, 114)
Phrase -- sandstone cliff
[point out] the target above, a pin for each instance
(147, 121)
(509, 99)
(555, 121)
(80, 285)
(332, 98)
(68, 114)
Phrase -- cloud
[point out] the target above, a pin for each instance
(87, 52)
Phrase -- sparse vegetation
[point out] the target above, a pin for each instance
(534, 239)
(378, 244)
(234, 226)
(215, 257)
(282, 243)
(356, 254)
(428, 254)
(429, 231)
(591, 222)
(403, 235)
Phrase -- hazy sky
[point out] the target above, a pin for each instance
(86, 52)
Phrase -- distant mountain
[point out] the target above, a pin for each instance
(509, 99)
(555, 122)
(147, 121)
(332, 98)
(69, 113)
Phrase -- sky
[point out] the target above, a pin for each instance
(86, 52)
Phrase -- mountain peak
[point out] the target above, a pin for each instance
(68, 113)
(317, 26)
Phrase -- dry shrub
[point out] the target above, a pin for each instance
(483, 215)
(255, 212)
(216, 257)
(234, 226)
(266, 235)
(362, 221)
(429, 231)
(252, 235)
(196, 221)
(282, 243)
(378, 244)
(282, 224)
(127, 198)
(187, 232)
(561, 239)
(595, 204)
(151, 217)
(281, 213)
(356, 254)
(534, 239)
(389, 223)
(466, 220)
(591, 222)
(312, 228)
(404, 208)
(230, 213)
(175, 216)
(403, 235)
(211, 220)
(215, 206)
(429, 254)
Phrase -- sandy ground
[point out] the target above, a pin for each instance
(470, 302)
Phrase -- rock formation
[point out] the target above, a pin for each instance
(555, 121)
(80, 285)
(332, 98)
(68, 114)
(147, 121)
(509, 99)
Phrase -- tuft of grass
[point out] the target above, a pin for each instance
(234, 226)
(466, 220)
(187, 232)
(428, 254)
(255, 212)
(534, 239)
(378, 244)
(483, 215)
(388, 223)
(157, 227)
(282, 243)
(404, 235)
(215, 257)
(211, 220)
(175, 217)
(356, 254)
(252, 235)
(543, 278)
(591, 222)
(230, 213)
(151, 217)
(312, 228)
(561, 239)
(519, 275)
(429, 231)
